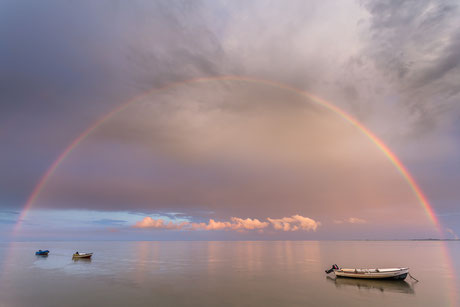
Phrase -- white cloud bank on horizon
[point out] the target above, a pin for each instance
(148, 222)
(293, 223)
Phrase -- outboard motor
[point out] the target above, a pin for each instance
(334, 267)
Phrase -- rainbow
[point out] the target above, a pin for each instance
(379, 143)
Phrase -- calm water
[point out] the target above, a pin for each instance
(287, 273)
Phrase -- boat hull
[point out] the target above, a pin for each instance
(82, 256)
(392, 274)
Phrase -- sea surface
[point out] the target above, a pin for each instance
(261, 273)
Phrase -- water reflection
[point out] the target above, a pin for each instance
(395, 286)
(82, 260)
(221, 274)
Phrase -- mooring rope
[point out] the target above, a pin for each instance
(413, 277)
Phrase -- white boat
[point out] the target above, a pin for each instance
(388, 273)
(82, 255)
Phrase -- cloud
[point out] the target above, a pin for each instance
(294, 223)
(234, 224)
(109, 222)
(355, 220)
(6, 221)
(351, 220)
(247, 224)
(212, 225)
(256, 151)
(9, 212)
(414, 47)
(8, 216)
(148, 222)
(230, 148)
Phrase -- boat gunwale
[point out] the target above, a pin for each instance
(371, 271)
(399, 273)
(82, 255)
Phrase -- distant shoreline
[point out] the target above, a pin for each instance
(435, 239)
(347, 240)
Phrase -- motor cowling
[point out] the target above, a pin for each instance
(332, 269)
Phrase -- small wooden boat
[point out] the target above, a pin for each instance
(78, 255)
(390, 273)
(42, 253)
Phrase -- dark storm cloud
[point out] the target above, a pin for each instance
(49, 72)
(404, 33)
(175, 41)
(63, 64)
(415, 44)
(447, 62)
(168, 42)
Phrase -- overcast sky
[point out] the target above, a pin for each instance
(229, 150)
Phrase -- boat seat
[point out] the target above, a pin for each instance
(349, 270)
(389, 270)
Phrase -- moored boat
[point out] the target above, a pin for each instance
(82, 255)
(387, 273)
(42, 253)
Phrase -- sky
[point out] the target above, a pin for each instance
(228, 158)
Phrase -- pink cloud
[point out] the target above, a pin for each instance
(293, 223)
(212, 225)
(355, 220)
(351, 220)
(148, 222)
(235, 224)
(247, 224)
